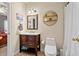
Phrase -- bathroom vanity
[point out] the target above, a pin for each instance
(30, 40)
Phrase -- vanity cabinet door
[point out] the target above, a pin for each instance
(23, 39)
(31, 42)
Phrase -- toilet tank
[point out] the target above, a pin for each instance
(50, 41)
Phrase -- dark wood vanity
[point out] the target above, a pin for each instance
(30, 41)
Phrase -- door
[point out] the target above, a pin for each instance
(10, 45)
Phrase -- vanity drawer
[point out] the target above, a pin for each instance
(31, 45)
(31, 42)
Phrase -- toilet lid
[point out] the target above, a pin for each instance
(50, 49)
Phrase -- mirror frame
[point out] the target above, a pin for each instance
(32, 22)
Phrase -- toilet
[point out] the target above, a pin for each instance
(50, 47)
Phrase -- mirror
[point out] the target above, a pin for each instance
(32, 22)
(50, 18)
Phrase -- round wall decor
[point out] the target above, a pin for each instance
(50, 18)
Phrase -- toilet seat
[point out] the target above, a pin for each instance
(50, 50)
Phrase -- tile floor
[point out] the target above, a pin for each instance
(3, 52)
(29, 54)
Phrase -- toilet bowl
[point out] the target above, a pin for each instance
(50, 47)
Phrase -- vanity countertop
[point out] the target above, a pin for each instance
(29, 33)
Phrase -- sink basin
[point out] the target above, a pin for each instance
(29, 33)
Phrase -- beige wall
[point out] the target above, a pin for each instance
(46, 31)
(49, 31)
(20, 8)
